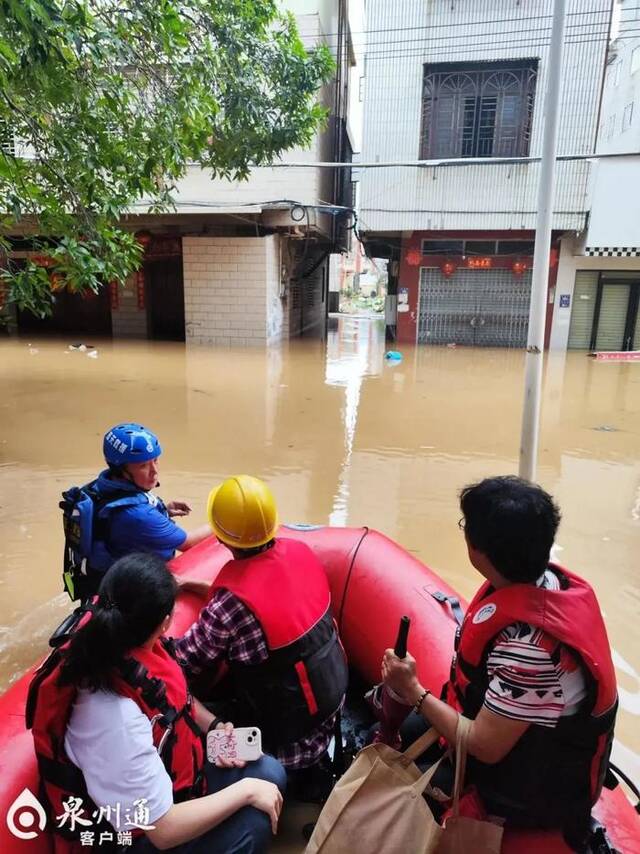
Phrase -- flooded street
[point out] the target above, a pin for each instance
(342, 438)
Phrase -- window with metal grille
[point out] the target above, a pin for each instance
(7, 141)
(471, 110)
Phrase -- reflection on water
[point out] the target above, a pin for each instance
(342, 437)
(354, 351)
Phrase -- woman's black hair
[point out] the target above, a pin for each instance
(513, 523)
(135, 596)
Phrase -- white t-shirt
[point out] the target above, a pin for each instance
(110, 740)
(533, 678)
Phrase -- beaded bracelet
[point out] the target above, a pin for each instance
(420, 701)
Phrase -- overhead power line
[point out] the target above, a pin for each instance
(447, 161)
(575, 29)
(533, 40)
(475, 23)
(532, 33)
(516, 44)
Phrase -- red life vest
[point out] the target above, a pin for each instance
(154, 680)
(553, 776)
(304, 678)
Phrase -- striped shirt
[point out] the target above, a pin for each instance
(532, 677)
(227, 630)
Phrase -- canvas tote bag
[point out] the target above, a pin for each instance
(377, 807)
(463, 834)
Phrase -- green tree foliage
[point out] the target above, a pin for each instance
(108, 101)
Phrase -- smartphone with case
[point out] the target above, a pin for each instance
(244, 743)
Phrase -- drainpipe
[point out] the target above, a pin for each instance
(538, 307)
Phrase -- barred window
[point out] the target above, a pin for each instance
(471, 110)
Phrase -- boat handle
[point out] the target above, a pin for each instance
(452, 601)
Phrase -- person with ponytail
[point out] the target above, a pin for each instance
(114, 724)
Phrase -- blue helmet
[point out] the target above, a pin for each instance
(130, 443)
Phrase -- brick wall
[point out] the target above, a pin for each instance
(231, 290)
(128, 321)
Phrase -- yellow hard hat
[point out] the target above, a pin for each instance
(242, 512)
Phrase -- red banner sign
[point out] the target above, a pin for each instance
(140, 288)
(480, 263)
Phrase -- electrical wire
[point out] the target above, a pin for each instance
(475, 23)
(484, 212)
(572, 31)
(442, 162)
(519, 44)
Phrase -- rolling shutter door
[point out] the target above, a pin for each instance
(584, 303)
(613, 317)
(482, 308)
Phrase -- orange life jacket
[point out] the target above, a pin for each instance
(553, 775)
(304, 678)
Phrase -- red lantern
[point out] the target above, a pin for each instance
(413, 258)
(42, 260)
(448, 268)
(553, 257)
(144, 238)
(519, 267)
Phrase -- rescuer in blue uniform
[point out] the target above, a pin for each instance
(117, 513)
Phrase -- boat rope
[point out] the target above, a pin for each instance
(629, 783)
(365, 531)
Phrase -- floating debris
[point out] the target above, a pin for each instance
(606, 428)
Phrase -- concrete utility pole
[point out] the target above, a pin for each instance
(540, 277)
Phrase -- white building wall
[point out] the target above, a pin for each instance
(614, 222)
(198, 192)
(277, 306)
(569, 264)
(229, 285)
(406, 34)
(622, 86)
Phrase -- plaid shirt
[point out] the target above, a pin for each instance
(226, 630)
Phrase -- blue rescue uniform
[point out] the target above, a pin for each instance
(141, 527)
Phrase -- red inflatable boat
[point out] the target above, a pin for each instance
(373, 582)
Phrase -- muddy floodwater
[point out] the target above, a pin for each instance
(343, 438)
